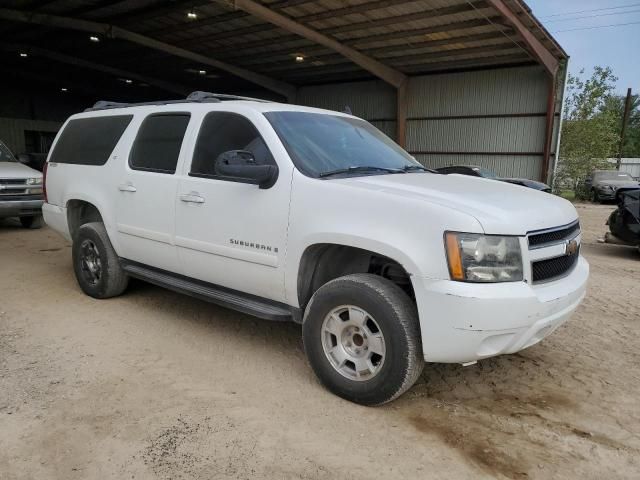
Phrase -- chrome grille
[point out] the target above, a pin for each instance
(553, 235)
(13, 186)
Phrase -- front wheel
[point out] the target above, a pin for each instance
(362, 338)
(595, 198)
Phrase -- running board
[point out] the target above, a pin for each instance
(225, 297)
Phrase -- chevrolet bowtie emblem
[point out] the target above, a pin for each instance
(571, 247)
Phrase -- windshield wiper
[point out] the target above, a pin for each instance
(361, 168)
(409, 168)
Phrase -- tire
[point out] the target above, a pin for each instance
(395, 317)
(595, 198)
(33, 222)
(96, 263)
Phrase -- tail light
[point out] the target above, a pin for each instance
(44, 181)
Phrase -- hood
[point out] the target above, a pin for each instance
(500, 207)
(17, 170)
(527, 183)
(616, 183)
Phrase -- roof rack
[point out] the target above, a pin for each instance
(194, 97)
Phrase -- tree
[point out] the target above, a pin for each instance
(590, 131)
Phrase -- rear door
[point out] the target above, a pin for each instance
(231, 233)
(146, 191)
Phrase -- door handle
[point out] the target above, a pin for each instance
(192, 197)
(127, 187)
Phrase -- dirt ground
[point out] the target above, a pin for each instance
(159, 385)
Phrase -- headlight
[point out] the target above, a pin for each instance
(34, 181)
(473, 257)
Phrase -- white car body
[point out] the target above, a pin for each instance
(402, 217)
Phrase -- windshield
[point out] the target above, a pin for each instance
(320, 144)
(5, 154)
(484, 173)
(612, 175)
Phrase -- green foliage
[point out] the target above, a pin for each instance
(590, 131)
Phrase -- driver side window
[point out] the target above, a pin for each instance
(223, 132)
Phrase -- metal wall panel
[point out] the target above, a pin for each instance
(501, 91)
(12, 131)
(477, 135)
(369, 100)
(522, 166)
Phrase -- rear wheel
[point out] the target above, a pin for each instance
(362, 339)
(34, 221)
(96, 263)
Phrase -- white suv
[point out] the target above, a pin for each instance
(293, 213)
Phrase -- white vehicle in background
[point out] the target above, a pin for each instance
(20, 190)
(294, 213)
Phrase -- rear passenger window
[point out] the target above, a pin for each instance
(89, 141)
(222, 132)
(157, 145)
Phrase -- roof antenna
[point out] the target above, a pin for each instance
(347, 110)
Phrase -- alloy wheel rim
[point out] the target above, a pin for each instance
(353, 342)
(90, 262)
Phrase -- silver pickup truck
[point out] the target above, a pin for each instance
(21, 193)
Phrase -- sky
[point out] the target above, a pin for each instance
(618, 47)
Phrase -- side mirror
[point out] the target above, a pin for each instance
(24, 158)
(241, 165)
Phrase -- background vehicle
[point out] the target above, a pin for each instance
(20, 190)
(624, 222)
(294, 213)
(475, 171)
(603, 184)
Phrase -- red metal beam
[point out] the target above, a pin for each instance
(548, 131)
(539, 51)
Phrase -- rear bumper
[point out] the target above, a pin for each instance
(56, 218)
(463, 322)
(20, 208)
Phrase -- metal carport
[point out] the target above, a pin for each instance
(454, 81)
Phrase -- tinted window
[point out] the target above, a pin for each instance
(319, 143)
(5, 154)
(89, 141)
(157, 145)
(222, 132)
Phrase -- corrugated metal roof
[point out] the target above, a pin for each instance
(412, 36)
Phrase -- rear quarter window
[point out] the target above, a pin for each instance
(89, 141)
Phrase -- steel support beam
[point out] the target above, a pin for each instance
(401, 114)
(112, 31)
(539, 51)
(380, 70)
(548, 131)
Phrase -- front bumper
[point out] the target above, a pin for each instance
(606, 194)
(463, 322)
(20, 208)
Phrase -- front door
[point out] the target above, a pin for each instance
(231, 233)
(146, 192)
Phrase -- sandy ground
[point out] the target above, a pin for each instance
(158, 385)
